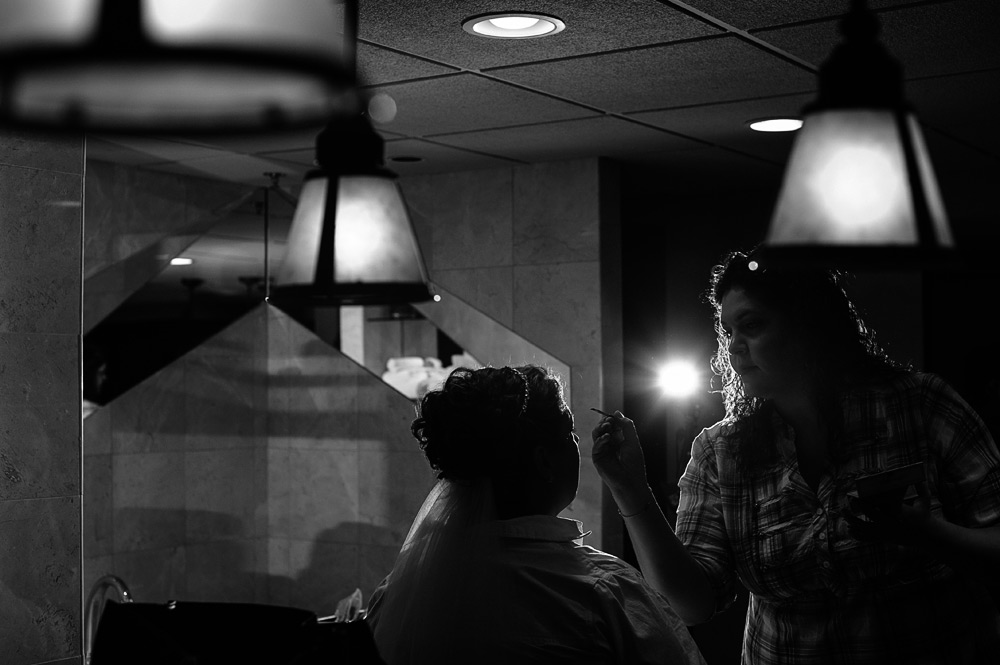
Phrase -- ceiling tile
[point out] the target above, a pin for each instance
(725, 124)
(928, 40)
(434, 29)
(764, 13)
(140, 150)
(379, 65)
(436, 158)
(605, 136)
(467, 102)
(234, 168)
(693, 173)
(965, 106)
(705, 71)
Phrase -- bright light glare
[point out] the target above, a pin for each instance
(679, 378)
(776, 125)
(181, 261)
(857, 186)
(513, 22)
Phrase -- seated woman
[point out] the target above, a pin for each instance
(489, 573)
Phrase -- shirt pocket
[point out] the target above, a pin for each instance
(781, 526)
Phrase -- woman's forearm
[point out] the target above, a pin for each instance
(663, 560)
(954, 541)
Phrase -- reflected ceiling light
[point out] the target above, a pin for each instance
(859, 190)
(176, 66)
(679, 378)
(181, 261)
(512, 25)
(351, 241)
(775, 124)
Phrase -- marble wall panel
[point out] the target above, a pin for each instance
(39, 451)
(554, 302)
(47, 152)
(41, 188)
(39, 369)
(492, 289)
(97, 432)
(556, 212)
(221, 497)
(40, 223)
(221, 572)
(323, 494)
(473, 217)
(150, 417)
(98, 506)
(384, 416)
(323, 573)
(392, 488)
(40, 580)
(148, 497)
(311, 388)
(420, 194)
(222, 398)
(128, 210)
(487, 340)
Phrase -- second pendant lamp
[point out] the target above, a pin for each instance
(351, 241)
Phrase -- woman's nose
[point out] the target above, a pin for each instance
(736, 345)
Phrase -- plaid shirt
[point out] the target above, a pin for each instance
(818, 595)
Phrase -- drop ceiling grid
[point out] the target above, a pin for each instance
(433, 30)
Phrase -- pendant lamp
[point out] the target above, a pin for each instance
(859, 189)
(351, 241)
(175, 66)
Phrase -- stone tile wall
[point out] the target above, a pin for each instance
(41, 194)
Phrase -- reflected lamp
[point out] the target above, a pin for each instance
(859, 188)
(351, 241)
(172, 66)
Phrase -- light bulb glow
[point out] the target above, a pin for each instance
(776, 125)
(514, 22)
(181, 261)
(857, 186)
(513, 26)
(678, 378)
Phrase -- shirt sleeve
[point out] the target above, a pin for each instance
(969, 462)
(640, 624)
(700, 523)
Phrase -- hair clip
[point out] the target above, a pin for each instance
(524, 381)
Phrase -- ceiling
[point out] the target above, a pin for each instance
(661, 83)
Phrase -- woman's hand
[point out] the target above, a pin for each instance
(618, 457)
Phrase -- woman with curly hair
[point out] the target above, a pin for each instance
(856, 499)
(489, 573)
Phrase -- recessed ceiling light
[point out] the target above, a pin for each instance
(775, 124)
(181, 261)
(512, 25)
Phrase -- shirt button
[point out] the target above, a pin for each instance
(822, 536)
(819, 512)
(826, 564)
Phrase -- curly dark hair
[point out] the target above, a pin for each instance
(818, 304)
(484, 420)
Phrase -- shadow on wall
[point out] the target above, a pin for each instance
(235, 570)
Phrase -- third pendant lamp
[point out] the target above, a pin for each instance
(859, 189)
(351, 241)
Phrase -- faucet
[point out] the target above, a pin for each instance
(95, 607)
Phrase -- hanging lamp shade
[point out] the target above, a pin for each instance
(351, 241)
(172, 66)
(859, 188)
